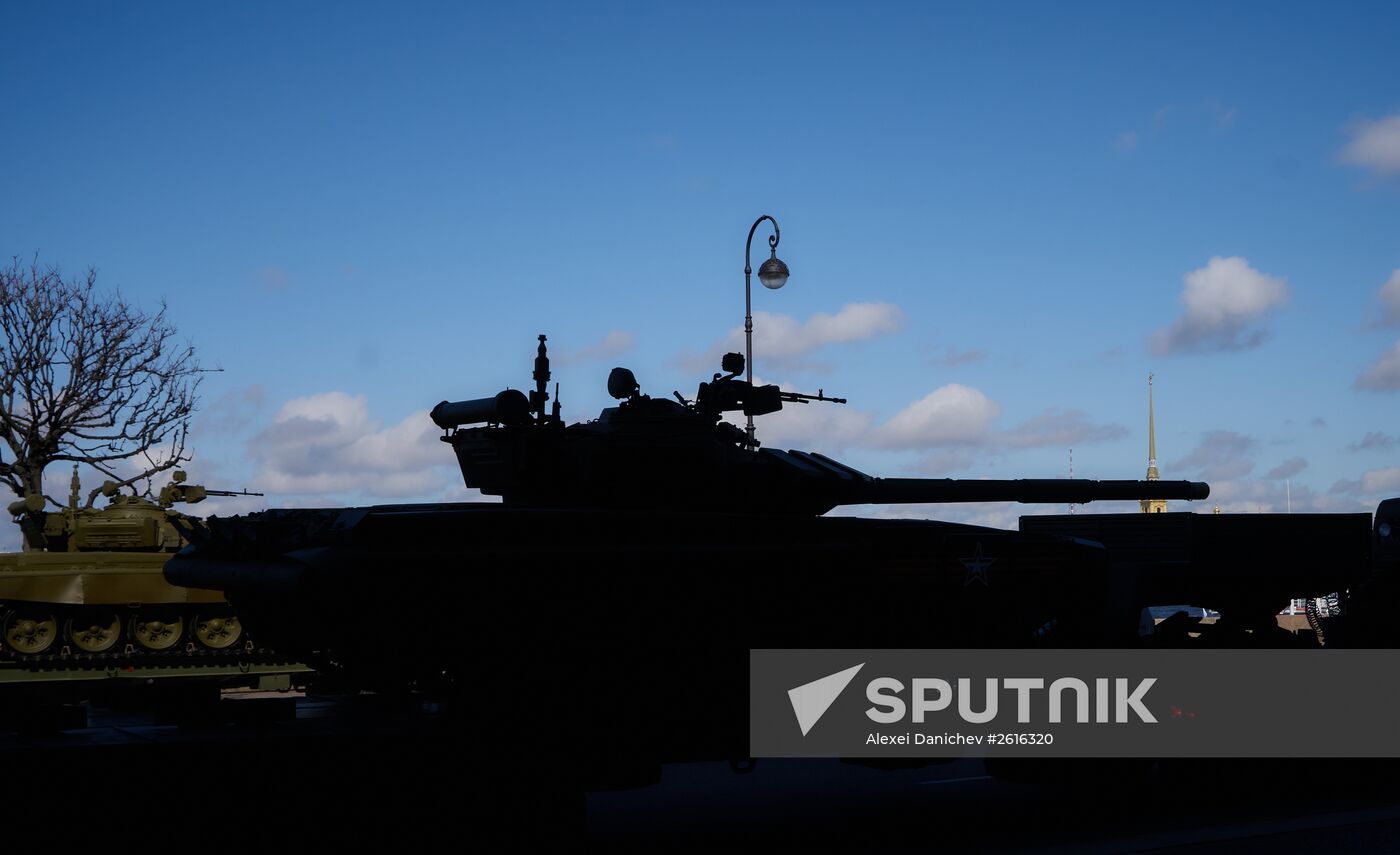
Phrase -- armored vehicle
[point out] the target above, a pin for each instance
(602, 610)
(86, 599)
(633, 560)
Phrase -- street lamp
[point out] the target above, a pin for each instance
(773, 273)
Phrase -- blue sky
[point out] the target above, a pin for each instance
(359, 210)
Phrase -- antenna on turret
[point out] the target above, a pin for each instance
(541, 375)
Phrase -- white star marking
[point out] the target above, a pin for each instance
(977, 567)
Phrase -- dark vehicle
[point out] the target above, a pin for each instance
(603, 609)
(634, 559)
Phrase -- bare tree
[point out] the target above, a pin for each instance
(88, 378)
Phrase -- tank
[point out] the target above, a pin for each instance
(603, 608)
(87, 598)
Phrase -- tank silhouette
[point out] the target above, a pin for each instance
(633, 560)
(87, 595)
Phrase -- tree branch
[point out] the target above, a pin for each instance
(88, 377)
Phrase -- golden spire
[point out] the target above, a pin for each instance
(1151, 434)
(1152, 506)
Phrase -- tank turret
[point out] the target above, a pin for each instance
(128, 523)
(680, 454)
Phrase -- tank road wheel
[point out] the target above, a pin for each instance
(217, 630)
(94, 632)
(157, 631)
(30, 631)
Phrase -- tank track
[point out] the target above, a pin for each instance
(244, 665)
(192, 654)
(64, 659)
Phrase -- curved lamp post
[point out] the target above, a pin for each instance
(773, 273)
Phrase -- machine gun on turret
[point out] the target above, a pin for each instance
(178, 491)
(726, 393)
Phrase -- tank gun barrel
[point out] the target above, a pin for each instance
(1026, 490)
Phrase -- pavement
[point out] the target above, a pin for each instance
(357, 771)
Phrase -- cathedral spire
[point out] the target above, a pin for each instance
(1152, 506)
(1151, 434)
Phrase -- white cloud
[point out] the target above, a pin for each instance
(1056, 427)
(1384, 375)
(1224, 301)
(1126, 141)
(274, 278)
(326, 443)
(942, 463)
(1389, 296)
(1375, 145)
(1256, 496)
(1374, 441)
(613, 344)
(1224, 116)
(826, 428)
(1288, 468)
(231, 413)
(952, 357)
(1221, 455)
(950, 415)
(1265, 496)
(1344, 487)
(782, 340)
(1381, 480)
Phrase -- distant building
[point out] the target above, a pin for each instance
(1152, 506)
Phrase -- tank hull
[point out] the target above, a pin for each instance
(90, 617)
(92, 578)
(633, 627)
(623, 614)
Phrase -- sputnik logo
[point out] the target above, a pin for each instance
(810, 701)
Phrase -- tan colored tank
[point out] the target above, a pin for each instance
(88, 586)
